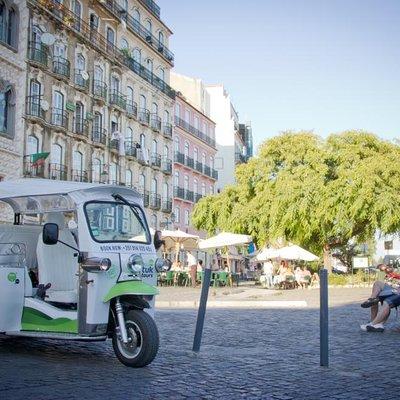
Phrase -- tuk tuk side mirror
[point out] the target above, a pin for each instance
(158, 242)
(50, 233)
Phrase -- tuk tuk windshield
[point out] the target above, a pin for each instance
(116, 222)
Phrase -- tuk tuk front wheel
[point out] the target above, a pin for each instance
(143, 340)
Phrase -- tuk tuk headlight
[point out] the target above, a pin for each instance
(162, 265)
(135, 265)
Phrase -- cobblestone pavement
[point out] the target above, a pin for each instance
(254, 354)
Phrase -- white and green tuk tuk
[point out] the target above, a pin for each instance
(79, 263)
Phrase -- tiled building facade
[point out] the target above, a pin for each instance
(98, 104)
(194, 156)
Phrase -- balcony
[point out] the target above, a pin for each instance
(99, 135)
(144, 116)
(131, 149)
(189, 195)
(131, 109)
(155, 123)
(114, 144)
(137, 28)
(167, 131)
(239, 158)
(179, 193)
(59, 118)
(198, 166)
(179, 157)
(118, 99)
(197, 197)
(60, 67)
(152, 7)
(57, 172)
(34, 109)
(99, 90)
(80, 127)
(38, 54)
(33, 170)
(207, 170)
(166, 166)
(79, 175)
(214, 174)
(156, 160)
(155, 201)
(189, 162)
(80, 82)
(94, 39)
(194, 131)
(146, 196)
(166, 205)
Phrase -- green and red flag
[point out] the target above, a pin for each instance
(38, 159)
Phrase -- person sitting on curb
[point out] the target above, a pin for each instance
(388, 295)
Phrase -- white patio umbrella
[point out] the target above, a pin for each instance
(178, 237)
(294, 252)
(224, 239)
(267, 253)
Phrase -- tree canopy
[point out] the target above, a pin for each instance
(319, 193)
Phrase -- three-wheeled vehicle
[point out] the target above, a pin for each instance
(79, 263)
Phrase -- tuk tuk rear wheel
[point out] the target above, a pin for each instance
(143, 340)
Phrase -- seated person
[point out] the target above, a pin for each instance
(388, 294)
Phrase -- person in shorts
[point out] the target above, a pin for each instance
(387, 294)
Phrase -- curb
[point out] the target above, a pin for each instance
(232, 304)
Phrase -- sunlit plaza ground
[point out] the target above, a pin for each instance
(269, 353)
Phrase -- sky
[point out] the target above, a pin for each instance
(322, 65)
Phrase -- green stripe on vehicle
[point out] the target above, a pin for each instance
(130, 287)
(34, 320)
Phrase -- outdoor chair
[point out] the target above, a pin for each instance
(222, 279)
(169, 278)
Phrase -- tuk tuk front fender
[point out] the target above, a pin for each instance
(130, 288)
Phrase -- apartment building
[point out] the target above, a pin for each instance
(92, 82)
(231, 144)
(194, 155)
(13, 44)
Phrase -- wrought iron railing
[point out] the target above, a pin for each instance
(155, 201)
(61, 66)
(58, 172)
(131, 109)
(166, 165)
(80, 81)
(131, 148)
(59, 117)
(38, 54)
(99, 135)
(100, 43)
(33, 170)
(118, 99)
(167, 131)
(156, 160)
(80, 126)
(99, 89)
(179, 157)
(79, 175)
(166, 205)
(34, 108)
(155, 122)
(194, 131)
(144, 116)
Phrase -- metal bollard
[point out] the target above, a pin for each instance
(202, 309)
(323, 319)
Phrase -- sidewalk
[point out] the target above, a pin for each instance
(256, 297)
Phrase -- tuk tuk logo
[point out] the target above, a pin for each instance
(112, 272)
(12, 277)
(148, 270)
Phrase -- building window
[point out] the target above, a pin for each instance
(161, 74)
(7, 110)
(186, 183)
(160, 38)
(186, 150)
(56, 154)
(150, 65)
(177, 215)
(136, 18)
(211, 189)
(195, 155)
(8, 24)
(113, 174)
(176, 179)
(110, 36)
(154, 186)
(129, 94)
(177, 110)
(166, 152)
(94, 22)
(128, 178)
(187, 116)
(203, 189)
(142, 102)
(177, 144)
(148, 26)
(195, 186)
(96, 170)
(124, 44)
(32, 146)
(98, 74)
(166, 117)
(129, 135)
(186, 217)
(165, 191)
(137, 56)
(77, 162)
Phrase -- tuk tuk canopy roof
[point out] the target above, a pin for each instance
(33, 195)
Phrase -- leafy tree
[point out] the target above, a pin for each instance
(321, 194)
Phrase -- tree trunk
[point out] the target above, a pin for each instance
(327, 258)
